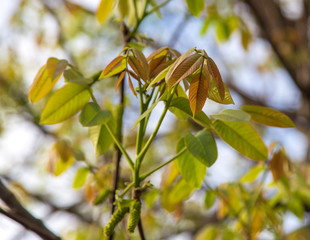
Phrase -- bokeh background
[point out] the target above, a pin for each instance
(262, 51)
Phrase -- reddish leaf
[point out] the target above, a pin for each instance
(174, 52)
(131, 86)
(157, 52)
(120, 79)
(141, 58)
(113, 64)
(179, 61)
(183, 70)
(134, 75)
(154, 63)
(215, 73)
(279, 164)
(138, 68)
(198, 92)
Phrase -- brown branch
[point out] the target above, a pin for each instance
(18, 213)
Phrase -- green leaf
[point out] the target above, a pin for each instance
(251, 175)
(202, 146)
(215, 95)
(242, 137)
(65, 103)
(46, 78)
(268, 116)
(92, 115)
(74, 76)
(183, 104)
(101, 138)
(80, 177)
(209, 198)
(104, 9)
(195, 6)
(232, 115)
(191, 170)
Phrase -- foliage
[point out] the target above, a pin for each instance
(182, 83)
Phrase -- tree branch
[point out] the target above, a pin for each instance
(19, 214)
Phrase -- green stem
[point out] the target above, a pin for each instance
(157, 7)
(92, 95)
(144, 176)
(120, 146)
(129, 186)
(151, 138)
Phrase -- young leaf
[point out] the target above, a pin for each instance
(104, 9)
(202, 147)
(159, 77)
(232, 115)
(101, 138)
(158, 53)
(92, 115)
(183, 104)
(179, 61)
(191, 170)
(131, 86)
(117, 65)
(120, 79)
(80, 177)
(252, 174)
(143, 63)
(74, 76)
(198, 92)
(65, 103)
(268, 116)
(215, 95)
(279, 165)
(195, 6)
(46, 78)
(138, 68)
(184, 69)
(215, 73)
(242, 137)
(209, 198)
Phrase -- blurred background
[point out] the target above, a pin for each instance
(260, 46)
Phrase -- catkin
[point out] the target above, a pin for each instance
(117, 216)
(134, 215)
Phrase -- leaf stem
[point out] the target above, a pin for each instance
(157, 7)
(151, 138)
(120, 146)
(144, 176)
(92, 95)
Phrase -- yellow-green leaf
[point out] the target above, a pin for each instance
(268, 116)
(46, 78)
(242, 137)
(232, 115)
(74, 76)
(183, 104)
(101, 138)
(252, 174)
(80, 177)
(65, 103)
(104, 10)
(92, 115)
(215, 95)
(202, 147)
(195, 6)
(117, 65)
(191, 170)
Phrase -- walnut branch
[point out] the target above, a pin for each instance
(19, 214)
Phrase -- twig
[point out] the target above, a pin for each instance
(18, 213)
